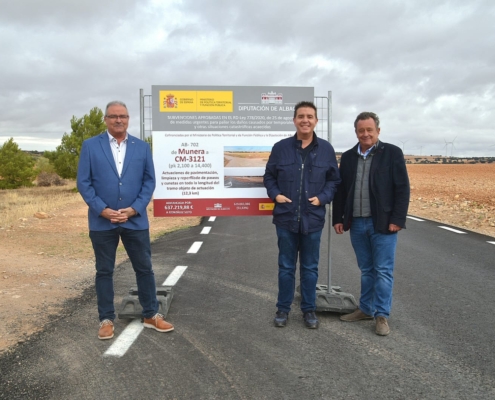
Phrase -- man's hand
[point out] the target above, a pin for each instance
(118, 216)
(129, 212)
(315, 201)
(282, 199)
(339, 228)
(115, 217)
(394, 228)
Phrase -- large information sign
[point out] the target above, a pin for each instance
(211, 145)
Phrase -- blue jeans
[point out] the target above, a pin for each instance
(375, 253)
(290, 245)
(138, 247)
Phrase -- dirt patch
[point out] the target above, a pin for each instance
(45, 261)
(460, 195)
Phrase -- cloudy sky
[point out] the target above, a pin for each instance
(426, 67)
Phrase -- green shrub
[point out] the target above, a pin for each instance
(16, 167)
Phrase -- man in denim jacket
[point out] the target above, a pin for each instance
(301, 177)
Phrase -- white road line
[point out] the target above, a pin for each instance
(211, 219)
(125, 339)
(132, 331)
(416, 219)
(175, 275)
(195, 247)
(452, 230)
(491, 242)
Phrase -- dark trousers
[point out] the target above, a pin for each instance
(307, 247)
(138, 247)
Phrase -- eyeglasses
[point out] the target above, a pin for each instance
(122, 117)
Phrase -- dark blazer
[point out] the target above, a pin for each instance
(389, 188)
(284, 175)
(101, 187)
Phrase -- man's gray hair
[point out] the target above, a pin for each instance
(367, 115)
(115, 103)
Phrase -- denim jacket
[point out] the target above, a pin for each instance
(286, 173)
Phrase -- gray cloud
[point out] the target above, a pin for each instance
(425, 67)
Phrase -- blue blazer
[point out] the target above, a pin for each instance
(100, 185)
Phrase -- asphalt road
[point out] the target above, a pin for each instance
(225, 346)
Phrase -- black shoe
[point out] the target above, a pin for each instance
(310, 320)
(281, 319)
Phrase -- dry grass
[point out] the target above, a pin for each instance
(46, 261)
(25, 202)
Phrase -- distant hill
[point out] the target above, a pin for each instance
(448, 160)
(441, 159)
(34, 153)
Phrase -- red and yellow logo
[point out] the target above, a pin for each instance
(266, 206)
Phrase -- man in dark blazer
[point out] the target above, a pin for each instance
(116, 179)
(372, 201)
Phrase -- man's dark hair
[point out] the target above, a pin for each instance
(305, 104)
(367, 115)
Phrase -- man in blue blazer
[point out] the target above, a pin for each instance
(116, 179)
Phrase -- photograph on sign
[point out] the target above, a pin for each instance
(244, 166)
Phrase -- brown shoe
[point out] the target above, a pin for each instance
(382, 327)
(158, 323)
(106, 329)
(357, 315)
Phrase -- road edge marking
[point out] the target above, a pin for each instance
(453, 230)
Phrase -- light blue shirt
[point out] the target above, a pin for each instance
(365, 154)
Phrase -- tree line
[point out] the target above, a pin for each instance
(19, 169)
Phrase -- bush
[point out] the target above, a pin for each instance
(66, 156)
(49, 179)
(16, 167)
(43, 165)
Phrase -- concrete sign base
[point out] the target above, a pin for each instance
(334, 300)
(130, 307)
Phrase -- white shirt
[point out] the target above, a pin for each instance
(118, 151)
